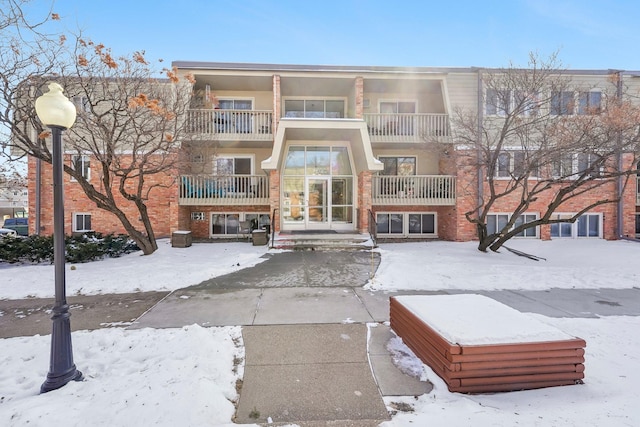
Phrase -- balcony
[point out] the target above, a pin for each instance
(250, 125)
(198, 190)
(407, 127)
(432, 190)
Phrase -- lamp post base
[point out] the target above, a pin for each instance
(62, 369)
(56, 381)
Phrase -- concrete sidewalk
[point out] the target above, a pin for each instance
(305, 317)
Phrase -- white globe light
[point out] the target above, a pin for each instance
(55, 109)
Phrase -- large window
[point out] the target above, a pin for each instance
(234, 121)
(228, 224)
(496, 222)
(406, 224)
(314, 108)
(587, 225)
(81, 222)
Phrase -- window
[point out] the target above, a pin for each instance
(637, 224)
(587, 225)
(497, 222)
(514, 163)
(232, 166)
(227, 224)
(500, 102)
(81, 222)
(589, 102)
(570, 165)
(503, 166)
(589, 162)
(407, 224)
(497, 102)
(563, 167)
(402, 166)
(314, 108)
(81, 164)
(562, 103)
(82, 104)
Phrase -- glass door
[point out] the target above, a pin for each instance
(317, 212)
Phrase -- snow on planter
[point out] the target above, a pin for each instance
(478, 345)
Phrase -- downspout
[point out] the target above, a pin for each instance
(619, 225)
(38, 197)
(479, 142)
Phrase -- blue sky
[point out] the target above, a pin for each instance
(491, 33)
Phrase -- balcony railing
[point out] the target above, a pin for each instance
(407, 127)
(224, 190)
(438, 190)
(231, 124)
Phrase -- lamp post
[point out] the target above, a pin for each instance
(58, 113)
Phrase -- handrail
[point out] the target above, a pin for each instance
(373, 228)
(273, 227)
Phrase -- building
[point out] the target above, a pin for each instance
(337, 148)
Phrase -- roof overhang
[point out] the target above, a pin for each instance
(353, 131)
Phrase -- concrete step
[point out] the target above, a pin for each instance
(322, 241)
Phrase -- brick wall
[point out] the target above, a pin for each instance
(75, 201)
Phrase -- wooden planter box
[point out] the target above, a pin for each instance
(473, 365)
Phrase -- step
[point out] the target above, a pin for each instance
(322, 241)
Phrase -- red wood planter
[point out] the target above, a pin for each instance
(509, 362)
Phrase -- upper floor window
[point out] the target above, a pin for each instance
(562, 103)
(81, 103)
(565, 102)
(398, 166)
(589, 102)
(232, 166)
(81, 164)
(514, 163)
(314, 108)
(570, 165)
(500, 102)
(235, 104)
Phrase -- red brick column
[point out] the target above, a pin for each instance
(364, 200)
(274, 197)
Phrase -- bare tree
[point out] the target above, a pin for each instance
(544, 137)
(130, 121)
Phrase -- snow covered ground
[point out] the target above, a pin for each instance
(187, 376)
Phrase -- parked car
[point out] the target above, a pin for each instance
(20, 225)
(7, 232)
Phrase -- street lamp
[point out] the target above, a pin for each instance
(58, 113)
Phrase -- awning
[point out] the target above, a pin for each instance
(353, 131)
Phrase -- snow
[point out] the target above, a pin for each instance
(187, 376)
(471, 319)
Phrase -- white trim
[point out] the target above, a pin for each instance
(75, 224)
(405, 224)
(574, 226)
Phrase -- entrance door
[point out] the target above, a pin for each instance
(317, 201)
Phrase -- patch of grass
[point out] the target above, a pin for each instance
(254, 414)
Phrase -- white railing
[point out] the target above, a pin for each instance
(223, 190)
(413, 190)
(236, 124)
(407, 127)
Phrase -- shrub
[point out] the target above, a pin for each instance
(80, 248)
